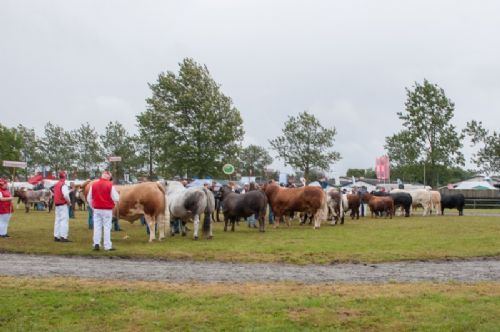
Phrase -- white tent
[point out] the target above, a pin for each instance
(478, 185)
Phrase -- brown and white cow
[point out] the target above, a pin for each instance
(148, 199)
(283, 201)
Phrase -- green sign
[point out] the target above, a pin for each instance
(228, 169)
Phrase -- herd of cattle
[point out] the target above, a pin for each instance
(160, 202)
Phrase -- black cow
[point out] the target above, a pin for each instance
(450, 201)
(403, 200)
(236, 206)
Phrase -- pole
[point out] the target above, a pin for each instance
(424, 174)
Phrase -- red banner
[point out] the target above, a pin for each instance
(382, 168)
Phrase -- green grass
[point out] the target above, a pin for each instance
(488, 211)
(366, 240)
(83, 305)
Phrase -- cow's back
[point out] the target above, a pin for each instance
(141, 198)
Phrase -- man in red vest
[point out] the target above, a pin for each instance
(6, 208)
(61, 201)
(102, 197)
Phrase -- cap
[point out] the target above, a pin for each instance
(106, 175)
(3, 181)
(62, 175)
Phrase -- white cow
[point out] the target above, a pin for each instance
(420, 197)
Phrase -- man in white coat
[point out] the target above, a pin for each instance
(102, 197)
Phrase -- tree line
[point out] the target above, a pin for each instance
(189, 127)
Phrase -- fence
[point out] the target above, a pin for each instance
(477, 199)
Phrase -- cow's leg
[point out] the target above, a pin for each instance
(151, 224)
(262, 221)
(233, 223)
(196, 222)
(162, 221)
(317, 221)
(226, 219)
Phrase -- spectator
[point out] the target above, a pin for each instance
(72, 199)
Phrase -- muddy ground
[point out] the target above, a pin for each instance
(472, 270)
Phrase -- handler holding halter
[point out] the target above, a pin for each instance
(102, 197)
(6, 208)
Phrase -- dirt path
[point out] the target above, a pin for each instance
(184, 271)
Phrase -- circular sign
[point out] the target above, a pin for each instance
(228, 169)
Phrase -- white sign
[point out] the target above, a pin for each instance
(115, 158)
(17, 164)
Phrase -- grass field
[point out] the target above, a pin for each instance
(86, 305)
(366, 240)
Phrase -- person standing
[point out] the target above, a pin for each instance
(61, 201)
(6, 208)
(102, 197)
(72, 199)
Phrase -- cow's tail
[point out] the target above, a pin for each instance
(209, 209)
(322, 213)
(166, 214)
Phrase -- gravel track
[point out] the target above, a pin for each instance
(472, 270)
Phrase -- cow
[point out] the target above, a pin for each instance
(283, 201)
(419, 197)
(29, 197)
(401, 199)
(450, 201)
(236, 206)
(146, 199)
(379, 204)
(337, 205)
(435, 201)
(353, 203)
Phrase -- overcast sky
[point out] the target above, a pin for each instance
(347, 62)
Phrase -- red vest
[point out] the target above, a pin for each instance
(58, 195)
(5, 206)
(101, 195)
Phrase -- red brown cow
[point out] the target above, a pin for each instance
(148, 199)
(283, 201)
(379, 204)
(353, 204)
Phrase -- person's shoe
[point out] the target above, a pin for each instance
(110, 249)
(64, 240)
(6, 235)
(96, 247)
(254, 226)
(57, 239)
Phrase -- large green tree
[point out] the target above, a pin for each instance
(57, 148)
(306, 144)
(254, 159)
(487, 158)
(89, 151)
(10, 148)
(150, 141)
(428, 139)
(117, 142)
(29, 149)
(197, 126)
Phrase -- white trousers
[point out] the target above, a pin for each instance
(4, 223)
(102, 220)
(61, 225)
